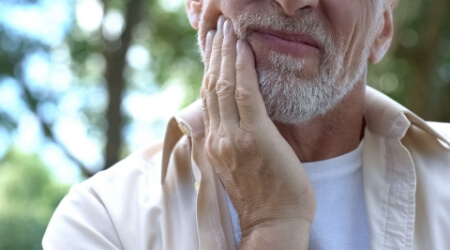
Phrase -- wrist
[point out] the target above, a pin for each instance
(289, 234)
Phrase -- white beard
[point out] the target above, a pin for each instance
(289, 97)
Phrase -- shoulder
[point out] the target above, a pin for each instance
(143, 166)
(441, 128)
(105, 211)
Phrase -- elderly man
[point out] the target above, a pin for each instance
(289, 149)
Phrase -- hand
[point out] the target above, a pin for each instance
(261, 173)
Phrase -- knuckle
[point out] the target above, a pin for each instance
(211, 79)
(209, 146)
(226, 50)
(205, 112)
(240, 65)
(202, 92)
(224, 87)
(247, 144)
(217, 45)
(242, 95)
(219, 152)
(225, 148)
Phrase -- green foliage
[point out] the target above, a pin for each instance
(416, 71)
(173, 46)
(28, 196)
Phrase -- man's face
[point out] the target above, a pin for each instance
(308, 57)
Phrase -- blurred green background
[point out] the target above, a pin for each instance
(85, 82)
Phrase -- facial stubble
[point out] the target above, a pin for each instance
(290, 97)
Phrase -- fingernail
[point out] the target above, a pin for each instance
(220, 23)
(239, 46)
(227, 27)
(209, 38)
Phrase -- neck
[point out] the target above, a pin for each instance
(335, 133)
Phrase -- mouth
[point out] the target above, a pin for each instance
(299, 45)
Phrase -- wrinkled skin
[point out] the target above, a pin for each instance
(257, 159)
(258, 168)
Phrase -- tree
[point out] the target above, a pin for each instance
(415, 72)
(164, 33)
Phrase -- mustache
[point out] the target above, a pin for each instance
(304, 24)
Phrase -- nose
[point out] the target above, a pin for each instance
(291, 6)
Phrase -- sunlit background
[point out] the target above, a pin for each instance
(85, 82)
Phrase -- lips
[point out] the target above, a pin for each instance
(294, 44)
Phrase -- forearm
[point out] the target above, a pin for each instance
(290, 235)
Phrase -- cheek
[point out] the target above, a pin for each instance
(350, 25)
(213, 9)
(208, 20)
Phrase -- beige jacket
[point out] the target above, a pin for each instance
(139, 205)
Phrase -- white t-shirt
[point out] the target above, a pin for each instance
(340, 221)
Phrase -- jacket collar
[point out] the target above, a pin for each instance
(390, 120)
(188, 121)
(383, 116)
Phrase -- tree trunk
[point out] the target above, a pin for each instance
(116, 83)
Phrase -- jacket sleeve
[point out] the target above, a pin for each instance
(81, 221)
